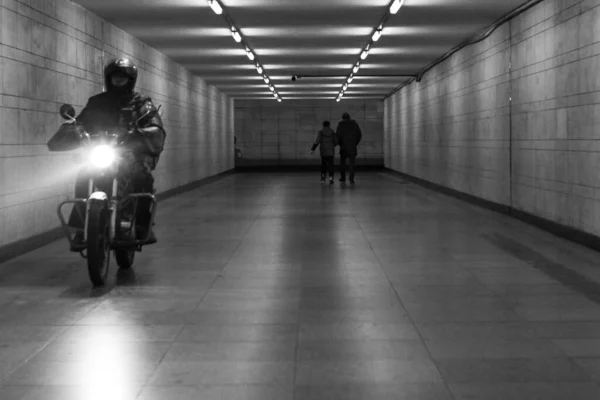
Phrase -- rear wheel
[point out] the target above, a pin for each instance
(124, 258)
(98, 246)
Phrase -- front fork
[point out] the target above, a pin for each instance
(92, 197)
(113, 205)
(112, 208)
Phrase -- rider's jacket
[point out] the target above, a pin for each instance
(110, 111)
(114, 113)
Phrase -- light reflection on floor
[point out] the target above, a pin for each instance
(271, 286)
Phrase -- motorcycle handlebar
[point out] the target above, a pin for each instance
(119, 139)
(68, 112)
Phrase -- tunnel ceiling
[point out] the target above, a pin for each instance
(302, 37)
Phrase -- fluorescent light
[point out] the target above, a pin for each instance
(271, 88)
(259, 68)
(275, 95)
(350, 78)
(364, 54)
(356, 67)
(396, 6)
(279, 100)
(216, 7)
(338, 99)
(266, 78)
(250, 54)
(345, 86)
(236, 35)
(377, 34)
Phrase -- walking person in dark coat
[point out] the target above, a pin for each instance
(349, 136)
(327, 139)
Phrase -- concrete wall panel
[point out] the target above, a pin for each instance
(526, 99)
(289, 129)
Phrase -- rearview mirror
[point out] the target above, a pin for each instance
(67, 111)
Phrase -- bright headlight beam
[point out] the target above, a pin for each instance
(102, 156)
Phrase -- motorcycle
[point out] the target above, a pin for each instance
(110, 223)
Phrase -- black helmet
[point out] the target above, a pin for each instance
(125, 66)
(345, 116)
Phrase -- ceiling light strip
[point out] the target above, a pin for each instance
(394, 6)
(218, 8)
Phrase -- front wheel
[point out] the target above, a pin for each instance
(98, 246)
(124, 258)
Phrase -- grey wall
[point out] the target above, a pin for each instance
(272, 133)
(524, 135)
(53, 51)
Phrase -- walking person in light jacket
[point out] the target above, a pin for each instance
(327, 139)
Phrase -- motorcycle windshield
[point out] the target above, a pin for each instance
(67, 138)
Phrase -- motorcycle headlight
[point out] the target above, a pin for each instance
(102, 156)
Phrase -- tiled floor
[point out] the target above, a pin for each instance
(271, 286)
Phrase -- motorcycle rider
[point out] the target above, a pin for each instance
(105, 112)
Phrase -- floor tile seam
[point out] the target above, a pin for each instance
(410, 318)
(500, 298)
(139, 391)
(504, 221)
(457, 263)
(207, 189)
(521, 319)
(47, 343)
(151, 374)
(326, 386)
(589, 378)
(456, 204)
(259, 385)
(233, 253)
(27, 359)
(512, 358)
(508, 223)
(561, 247)
(568, 278)
(176, 338)
(296, 359)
